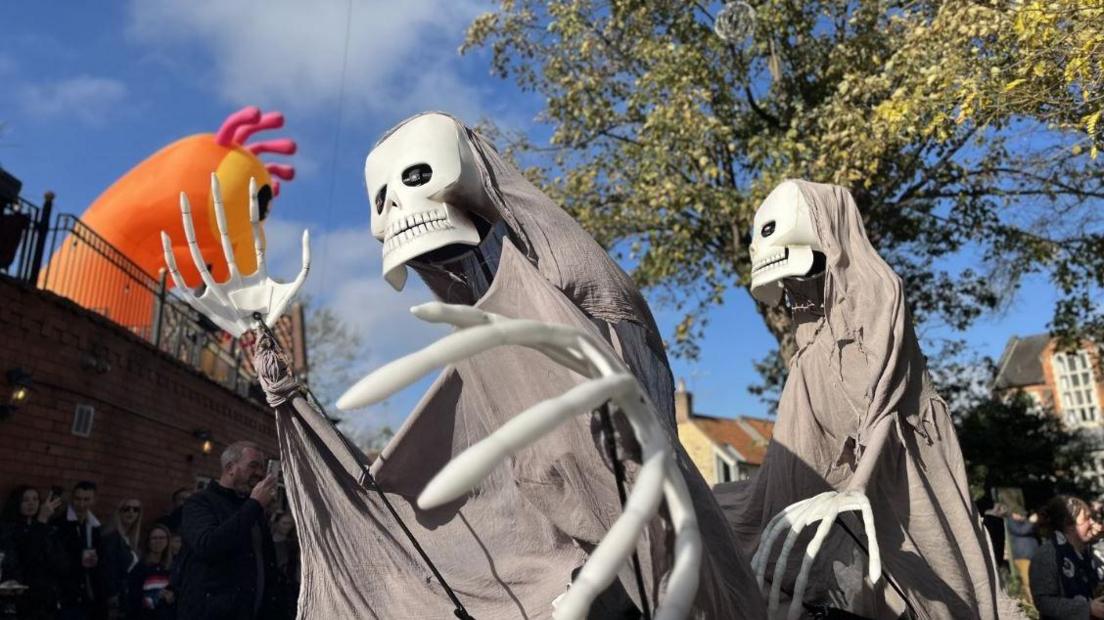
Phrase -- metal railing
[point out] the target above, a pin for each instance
(22, 230)
(90, 271)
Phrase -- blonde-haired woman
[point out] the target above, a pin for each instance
(120, 542)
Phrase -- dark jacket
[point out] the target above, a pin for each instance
(33, 557)
(80, 587)
(116, 560)
(218, 577)
(1046, 587)
(1023, 539)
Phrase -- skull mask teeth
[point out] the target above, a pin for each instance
(783, 242)
(417, 181)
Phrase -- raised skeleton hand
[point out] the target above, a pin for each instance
(795, 518)
(610, 381)
(231, 304)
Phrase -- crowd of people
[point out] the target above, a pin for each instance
(222, 552)
(1057, 554)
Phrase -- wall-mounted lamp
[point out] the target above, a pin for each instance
(19, 384)
(204, 436)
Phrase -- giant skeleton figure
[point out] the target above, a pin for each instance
(529, 503)
(860, 431)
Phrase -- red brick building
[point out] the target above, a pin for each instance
(107, 406)
(1067, 382)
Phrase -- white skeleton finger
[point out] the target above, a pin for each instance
(465, 470)
(780, 523)
(660, 477)
(800, 519)
(174, 273)
(258, 234)
(462, 316)
(287, 292)
(452, 348)
(232, 304)
(223, 229)
(826, 522)
(825, 508)
(193, 247)
(619, 543)
(873, 551)
(682, 584)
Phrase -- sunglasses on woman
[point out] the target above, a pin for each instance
(130, 509)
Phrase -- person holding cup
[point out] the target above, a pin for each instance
(82, 582)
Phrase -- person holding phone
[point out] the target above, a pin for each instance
(228, 569)
(30, 555)
(1064, 573)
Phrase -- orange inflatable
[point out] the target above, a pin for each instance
(131, 214)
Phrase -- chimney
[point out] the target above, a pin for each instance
(683, 403)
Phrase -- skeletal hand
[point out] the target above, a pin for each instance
(609, 381)
(231, 304)
(796, 517)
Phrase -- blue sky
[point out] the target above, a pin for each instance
(92, 89)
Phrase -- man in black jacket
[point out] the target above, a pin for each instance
(229, 567)
(82, 581)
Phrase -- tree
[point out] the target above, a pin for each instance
(333, 348)
(1011, 443)
(666, 138)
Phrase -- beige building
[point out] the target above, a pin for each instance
(723, 449)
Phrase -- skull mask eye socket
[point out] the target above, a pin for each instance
(381, 195)
(768, 229)
(418, 174)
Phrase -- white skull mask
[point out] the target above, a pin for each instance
(783, 241)
(416, 180)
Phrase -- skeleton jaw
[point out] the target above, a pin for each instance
(772, 265)
(410, 236)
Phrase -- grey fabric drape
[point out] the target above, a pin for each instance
(508, 548)
(858, 362)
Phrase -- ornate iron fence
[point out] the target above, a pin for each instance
(87, 269)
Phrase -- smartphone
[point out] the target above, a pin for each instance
(275, 470)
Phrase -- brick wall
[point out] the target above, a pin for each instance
(147, 407)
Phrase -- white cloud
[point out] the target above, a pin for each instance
(401, 55)
(86, 98)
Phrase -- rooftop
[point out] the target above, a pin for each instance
(1021, 363)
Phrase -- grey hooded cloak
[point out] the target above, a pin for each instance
(858, 363)
(508, 548)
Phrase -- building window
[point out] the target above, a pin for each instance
(83, 417)
(726, 469)
(1076, 388)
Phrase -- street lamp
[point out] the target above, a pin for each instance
(20, 383)
(205, 436)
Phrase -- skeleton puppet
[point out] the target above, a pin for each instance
(860, 431)
(445, 204)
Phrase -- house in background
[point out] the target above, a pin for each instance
(723, 449)
(1066, 382)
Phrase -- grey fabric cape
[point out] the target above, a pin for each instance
(509, 548)
(858, 361)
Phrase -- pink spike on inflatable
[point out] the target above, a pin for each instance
(275, 190)
(283, 146)
(245, 116)
(285, 172)
(270, 120)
